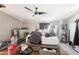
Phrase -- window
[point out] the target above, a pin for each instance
(43, 25)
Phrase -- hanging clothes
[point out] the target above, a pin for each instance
(76, 37)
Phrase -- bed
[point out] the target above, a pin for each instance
(48, 42)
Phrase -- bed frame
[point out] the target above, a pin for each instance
(56, 47)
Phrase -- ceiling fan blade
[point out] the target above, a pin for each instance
(42, 12)
(2, 6)
(28, 8)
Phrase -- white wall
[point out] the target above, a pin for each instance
(32, 26)
(7, 23)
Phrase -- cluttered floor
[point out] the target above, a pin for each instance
(62, 52)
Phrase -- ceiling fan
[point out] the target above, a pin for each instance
(2, 6)
(36, 12)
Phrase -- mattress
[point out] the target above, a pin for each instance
(50, 40)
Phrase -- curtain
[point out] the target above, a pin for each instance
(76, 37)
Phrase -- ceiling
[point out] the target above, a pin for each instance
(54, 11)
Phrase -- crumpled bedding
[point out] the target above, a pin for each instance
(50, 40)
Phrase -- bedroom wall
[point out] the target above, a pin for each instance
(31, 25)
(7, 23)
